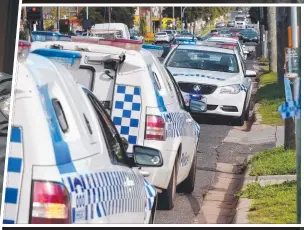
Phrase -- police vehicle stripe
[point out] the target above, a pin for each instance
(61, 148)
(14, 176)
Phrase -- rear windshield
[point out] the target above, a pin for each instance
(239, 19)
(161, 34)
(204, 60)
(168, 32)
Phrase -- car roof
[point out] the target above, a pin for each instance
(206, 48)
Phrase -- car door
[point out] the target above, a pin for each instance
(246, 82)
(127, 199)
(191, 139)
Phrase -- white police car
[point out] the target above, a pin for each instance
(218, 74)
(66, 162)
(145, 105)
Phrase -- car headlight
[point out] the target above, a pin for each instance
(231, 89)
(5, 105)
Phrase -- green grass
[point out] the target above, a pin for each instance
(275, 161)
(272, 204)
(207, 30)
(270, 97)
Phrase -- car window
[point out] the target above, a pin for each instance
(203, 60)
(161, 34)
(114, 144)
(179, 95)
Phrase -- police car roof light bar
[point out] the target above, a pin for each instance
(127, 44)
(69, 59)
(43, 36)
(23, 50)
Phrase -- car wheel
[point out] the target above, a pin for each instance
(187, 186)
(166, 198)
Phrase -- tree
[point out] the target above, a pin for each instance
(143, 27)
(118, 14)
(95, 14)
(51, 16)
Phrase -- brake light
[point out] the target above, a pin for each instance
(155, 128)
(23, 50)
(51, 203)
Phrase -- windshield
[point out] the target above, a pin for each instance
(204, 60)
(168, 32)
(161, 34)
(239, 19)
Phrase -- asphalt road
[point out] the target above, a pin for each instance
(211, 150)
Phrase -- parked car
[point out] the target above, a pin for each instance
(171, 33)
(220, 25)
(162, 37)
(249, 35)
(230, 24)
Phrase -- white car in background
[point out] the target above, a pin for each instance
(240, 21)
(217, 74)
(162, 37)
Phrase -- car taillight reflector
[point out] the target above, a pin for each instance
(50, 203)
(23, 50)
(155, 128)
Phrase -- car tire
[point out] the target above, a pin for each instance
(187, 186)
(153, 211)
(166, 198)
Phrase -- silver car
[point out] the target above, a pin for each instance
(162, 37)
(171, 33)
(5, 93)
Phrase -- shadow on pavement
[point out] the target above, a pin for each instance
(211, 120)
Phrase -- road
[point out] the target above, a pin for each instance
(212, 150)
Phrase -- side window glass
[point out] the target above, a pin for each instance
(179, 95)
(115, 149)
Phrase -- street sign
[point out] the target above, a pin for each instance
(291, 62)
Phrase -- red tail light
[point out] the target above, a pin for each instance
(178, 35)
(155, 128)
(51, 203)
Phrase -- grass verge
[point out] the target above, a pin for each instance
(275, 161)
(207, 30)
(270, 97)
(272, 204)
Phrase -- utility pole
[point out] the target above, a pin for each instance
(262, 32)
(109, 14)
(296, 82)
(161, 19)
(58, 17)
(173, 16)
(272, 39)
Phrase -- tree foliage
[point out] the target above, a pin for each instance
(143, 27)
(101, 15)
(254, 14)
(192, 14)
(52, 13)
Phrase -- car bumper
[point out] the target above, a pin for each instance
(224, 104)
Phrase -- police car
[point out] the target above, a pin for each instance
(216, 73)
(5, 96)
(66, 161)
(145, 105)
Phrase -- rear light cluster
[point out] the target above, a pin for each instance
(50, 203)
(23, 50)
(155, 128)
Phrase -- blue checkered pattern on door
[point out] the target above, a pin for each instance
(126, 113)
(14, 176)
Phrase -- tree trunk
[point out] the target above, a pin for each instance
(272, 39)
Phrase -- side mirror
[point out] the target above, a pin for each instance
(197, 106)
(145, 156)
(125, 143)
(250, 73)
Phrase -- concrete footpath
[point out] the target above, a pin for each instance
(220, 206)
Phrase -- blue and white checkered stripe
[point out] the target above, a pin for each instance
(151, 194)
(126, 113)
(101, 194)
(197, 129)
(14, 176)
